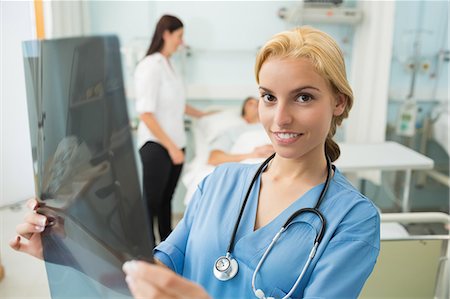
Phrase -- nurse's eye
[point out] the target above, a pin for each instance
(268, 98)
(304, 98)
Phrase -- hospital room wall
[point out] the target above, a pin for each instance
(223, 38)
(16, 171)
(214, 40)
(427, 23)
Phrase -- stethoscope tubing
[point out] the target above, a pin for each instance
(314, 210)
(244, 203)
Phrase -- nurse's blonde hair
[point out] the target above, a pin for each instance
(326, 56)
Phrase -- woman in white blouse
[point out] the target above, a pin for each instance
(161, 104)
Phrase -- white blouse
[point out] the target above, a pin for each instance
(160, 90)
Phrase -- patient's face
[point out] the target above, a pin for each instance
(296, 107)
(251, 110)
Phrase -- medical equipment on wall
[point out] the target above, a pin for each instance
(321, 12)
(414, 54)
(226, 267)
(406, 123)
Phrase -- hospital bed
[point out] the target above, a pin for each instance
(410, 266)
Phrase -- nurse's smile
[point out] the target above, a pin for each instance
(286, 138)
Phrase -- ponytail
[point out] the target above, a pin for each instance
(332, 149)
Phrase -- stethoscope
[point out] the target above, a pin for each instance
(226, 267)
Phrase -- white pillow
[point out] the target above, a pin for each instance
(207, 128)
(215, 124)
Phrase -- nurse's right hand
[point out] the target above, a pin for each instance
(29, 232)
(176, 155)
(154, 281)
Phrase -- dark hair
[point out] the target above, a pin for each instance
(245, 103)
(166, 22)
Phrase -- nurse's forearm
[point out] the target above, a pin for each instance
(191, 111)
(153, 125)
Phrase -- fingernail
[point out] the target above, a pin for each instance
(39, 228)
(129, 279)
(32, 205)
(129, 266)
(43, 221)
(16, 239)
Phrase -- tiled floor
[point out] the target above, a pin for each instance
(25, 276)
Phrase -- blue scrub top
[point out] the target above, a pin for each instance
(344, 259)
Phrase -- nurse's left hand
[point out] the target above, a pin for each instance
(148, 281)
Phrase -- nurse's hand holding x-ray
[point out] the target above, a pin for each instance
(145, 280)
(155, 281)
(28, 239)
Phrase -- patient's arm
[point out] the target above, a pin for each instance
(217, 157)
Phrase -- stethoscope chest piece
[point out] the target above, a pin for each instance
(225, 268)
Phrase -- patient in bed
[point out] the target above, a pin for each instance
(242, 142)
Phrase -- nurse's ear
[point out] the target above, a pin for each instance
(166, 35)
(339, 104)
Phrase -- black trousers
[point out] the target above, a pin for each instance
(160, 177)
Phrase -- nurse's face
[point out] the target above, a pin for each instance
(172, 40)
(296, 106)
